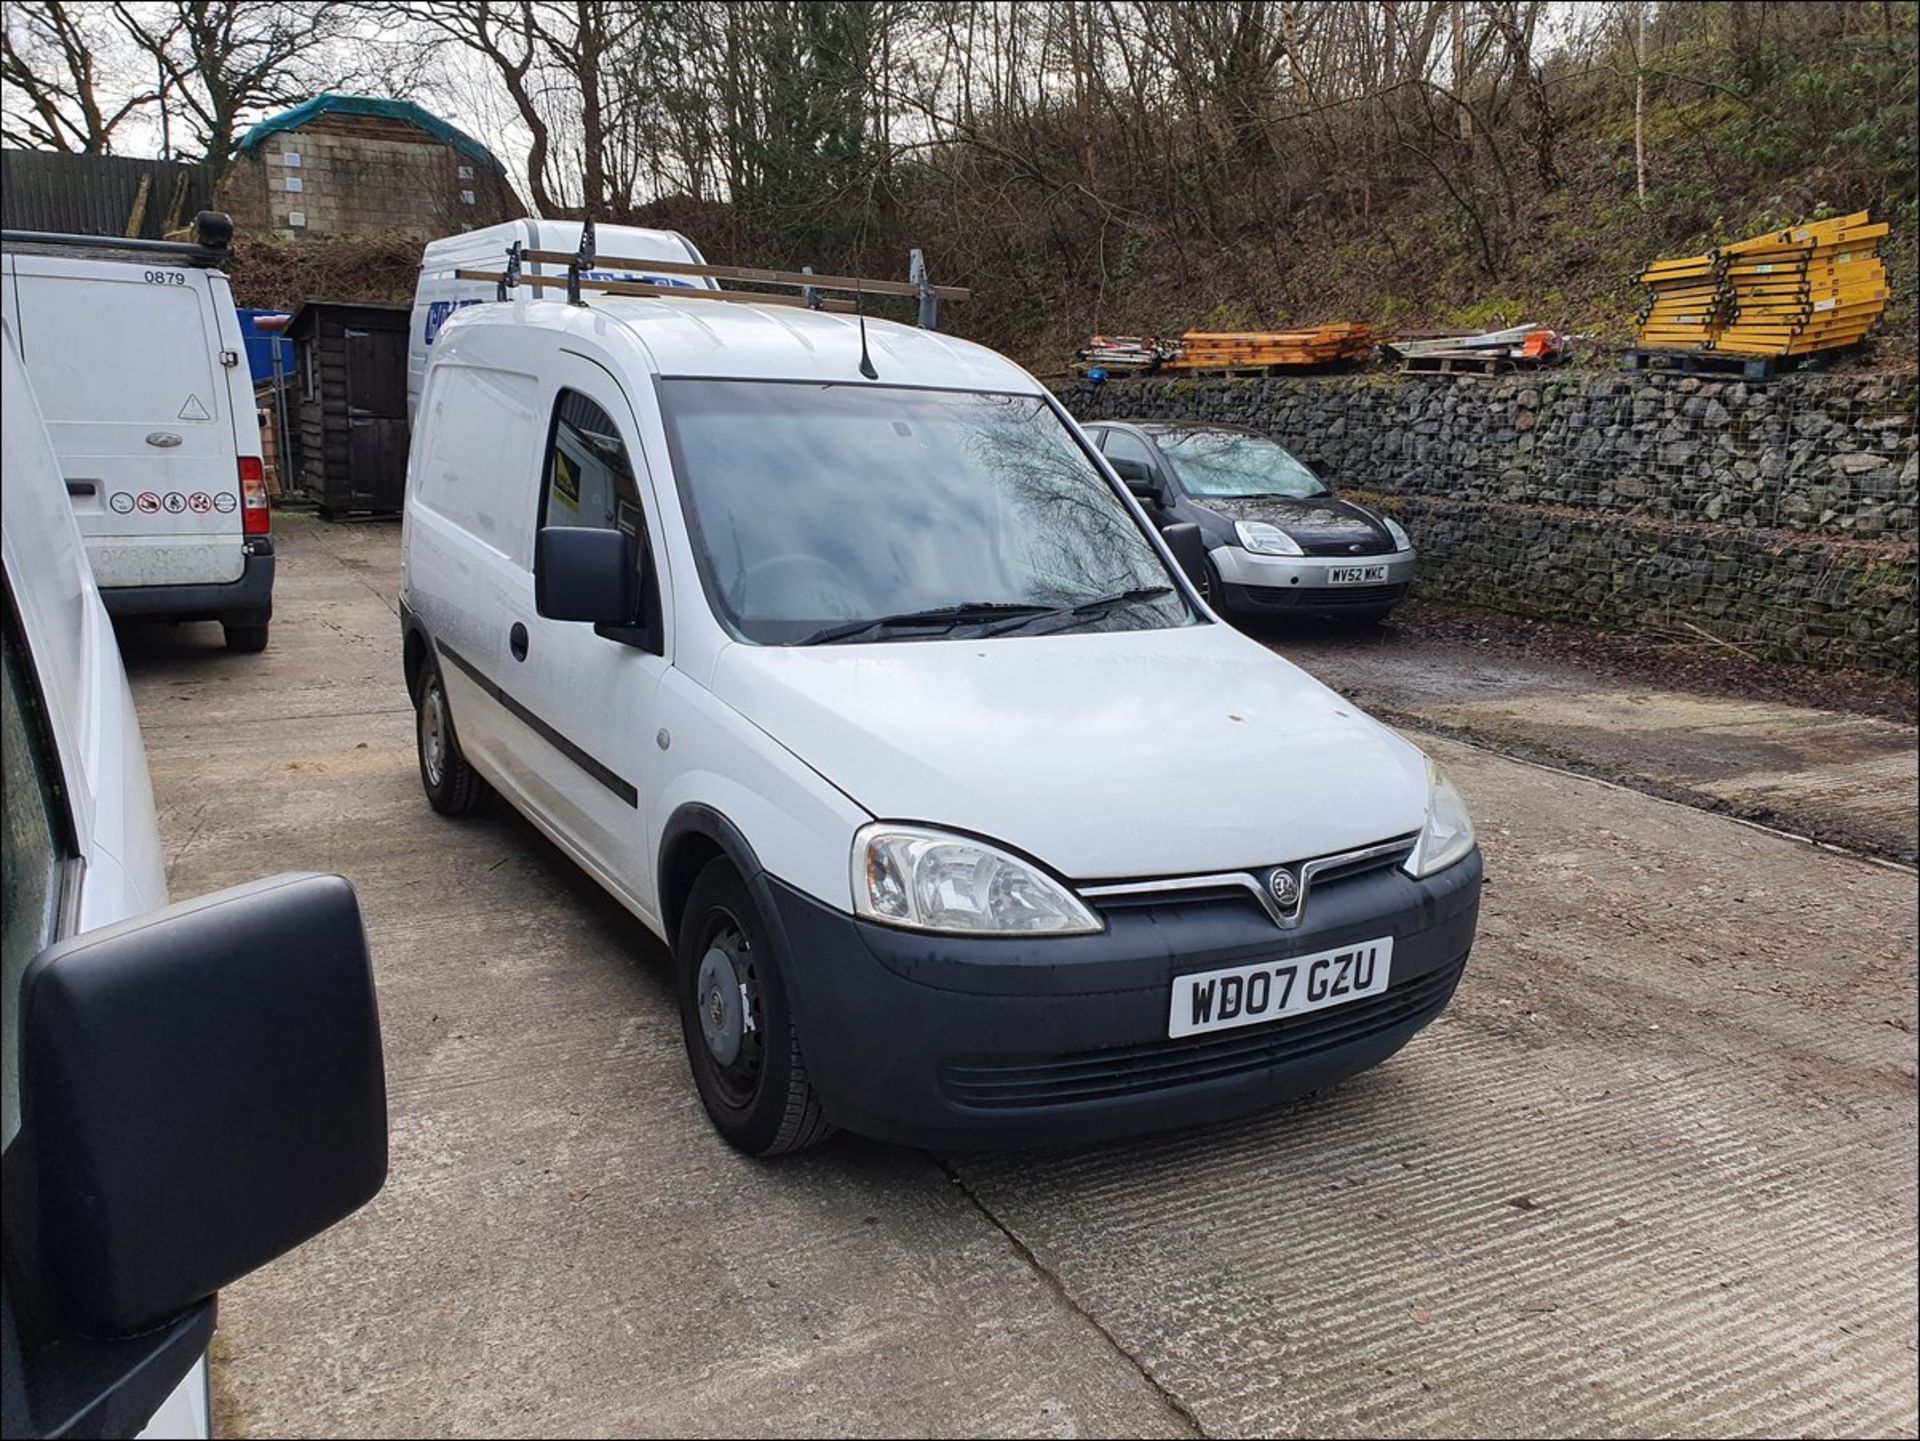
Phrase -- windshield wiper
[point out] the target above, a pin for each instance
(943, 617)
(1085, 607)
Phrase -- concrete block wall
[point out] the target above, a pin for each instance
(1780, 517)
(349, 184)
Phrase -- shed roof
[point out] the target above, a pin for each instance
(373, 105)
(308, 312)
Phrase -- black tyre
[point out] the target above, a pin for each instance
(245, 637)
(1211, 590)
(453, 787)
(739, 1030)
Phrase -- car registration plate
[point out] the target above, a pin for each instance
(1356, 574)
(1269, 990)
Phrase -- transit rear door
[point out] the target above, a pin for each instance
(126, 361)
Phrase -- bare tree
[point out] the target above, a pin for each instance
(51, 60)
(221, 59)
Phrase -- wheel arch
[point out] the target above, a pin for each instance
(694, 835)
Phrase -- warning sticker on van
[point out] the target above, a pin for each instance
(194, 410)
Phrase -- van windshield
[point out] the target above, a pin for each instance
(821, 513)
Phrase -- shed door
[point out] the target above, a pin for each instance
(376, 417)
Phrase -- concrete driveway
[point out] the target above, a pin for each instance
(1654, 1171)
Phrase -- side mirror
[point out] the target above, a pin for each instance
(1190, 549)
(583, 573)
(1137, 476)
(202, 1090)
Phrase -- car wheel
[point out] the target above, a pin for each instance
(1211, 590)
(453, 787)
(741, 1040)
(245, 637)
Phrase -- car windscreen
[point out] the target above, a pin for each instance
(1226, 463)
(815, 508)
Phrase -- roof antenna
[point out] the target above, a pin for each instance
(860, 303)
(859, 274)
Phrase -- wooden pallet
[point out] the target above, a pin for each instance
(1464, 364)
(1705, 362)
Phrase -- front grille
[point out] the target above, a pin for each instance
(1160, 1065)
(1246, 888)
(1333, 595)
(1372, 545)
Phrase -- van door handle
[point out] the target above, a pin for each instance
(517, 641)
(82, 487)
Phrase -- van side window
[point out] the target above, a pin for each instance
(589, 479)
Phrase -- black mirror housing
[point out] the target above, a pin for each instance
(587, 574)
(202, 1089)
(1137, 476)
(1189, 547)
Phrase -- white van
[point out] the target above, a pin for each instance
(134, 349)
(440, 291)
(189, 1090)
(838, 656)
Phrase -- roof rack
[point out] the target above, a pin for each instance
(211, 247)
(810, 286)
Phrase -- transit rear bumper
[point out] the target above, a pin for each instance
(249, 598)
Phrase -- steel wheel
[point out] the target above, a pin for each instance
(728, 999)
(433, 733)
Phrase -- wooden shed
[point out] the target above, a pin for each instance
(350, 404)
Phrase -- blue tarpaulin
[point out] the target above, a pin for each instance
(331, 104)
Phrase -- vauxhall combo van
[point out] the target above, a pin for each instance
(840, 658)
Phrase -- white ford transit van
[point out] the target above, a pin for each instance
(852, 671)
(134, 349)
(440, 290)
(188, 1090)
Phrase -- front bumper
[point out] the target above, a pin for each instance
(950, 1041)
(250, 597)
(1301, 582)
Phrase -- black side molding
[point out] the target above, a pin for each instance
(602, 773)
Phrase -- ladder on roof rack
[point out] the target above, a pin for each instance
(580, 262)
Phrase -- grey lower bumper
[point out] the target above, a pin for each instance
(1303, 572)
(250, 597)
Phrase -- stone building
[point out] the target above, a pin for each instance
(360, 165)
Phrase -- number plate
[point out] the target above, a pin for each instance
(1356, 575)
(1248, 995)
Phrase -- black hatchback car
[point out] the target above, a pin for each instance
(1277, 539)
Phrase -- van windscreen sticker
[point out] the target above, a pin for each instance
(566, 480)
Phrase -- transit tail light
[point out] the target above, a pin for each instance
(256, 515)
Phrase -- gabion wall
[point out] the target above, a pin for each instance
(1780, 516)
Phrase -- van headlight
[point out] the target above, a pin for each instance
(928, 880)
(1263, 539)
(1448, 835)
(1401, 540)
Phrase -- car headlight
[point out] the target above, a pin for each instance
(1401, 540)
(1263, 539)
(1448, 834)
(930, 881)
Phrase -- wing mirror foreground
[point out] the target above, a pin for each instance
(201, 1090)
